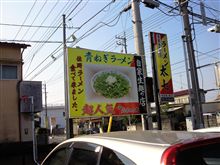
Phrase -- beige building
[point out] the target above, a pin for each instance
(10, 77)
(182, 97)
(211, 110)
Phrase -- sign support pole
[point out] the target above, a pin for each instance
(65, 79)
(35, 155)
(155, 85)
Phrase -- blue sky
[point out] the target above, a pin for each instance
(46, 13)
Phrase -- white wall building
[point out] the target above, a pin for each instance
(56, 117)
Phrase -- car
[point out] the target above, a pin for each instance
(151, 147)
(209, 129)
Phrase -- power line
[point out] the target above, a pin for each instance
(45, 19)
(46, 66)
(92, 30)
(191, 13)
(129, 32)
(206, 6)
(74, 8)
(85, 35)
(32, 26)
(202, 54)
(56, 22)
(81, 9)
(35, 41)
(113, 38)
(94, 16)
(104, 11)
(36, 52)
(34, 19)
(50, 55)
(52, 33)
(25, 19)
(87, 32)
(37, 48)
(148, 24)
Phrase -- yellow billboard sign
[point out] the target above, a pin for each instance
(104, 83)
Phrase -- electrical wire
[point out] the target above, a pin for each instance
(206, 6)
(34, 41)
(25, 34)
(112, 11)
(93, 16)
(25, 19)
(46, 66)
(35, 32)
(81, 9)
(95, 28)
(56, 22)
(92, 30)
(70, 36)
(37, 51)
(168, 14)
(51, 54)
(200, 55)
(129, 33)
(52, 33)
(32, 26)
(74, 8)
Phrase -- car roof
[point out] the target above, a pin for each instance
(141, 146)
(210, 129)
(153, 136)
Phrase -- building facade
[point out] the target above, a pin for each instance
(182, 97)
(211, 110)
(10, 77)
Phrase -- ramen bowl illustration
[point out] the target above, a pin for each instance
(111, 84)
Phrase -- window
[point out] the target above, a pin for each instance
(58, 157)
(203, 155)
(110, 157)
(84, 154)
(8, 72)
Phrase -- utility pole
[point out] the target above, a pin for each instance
(65, 79)
(45, 106)
(195, 94)
(122, 41)
(188, 81)
(139, 47)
